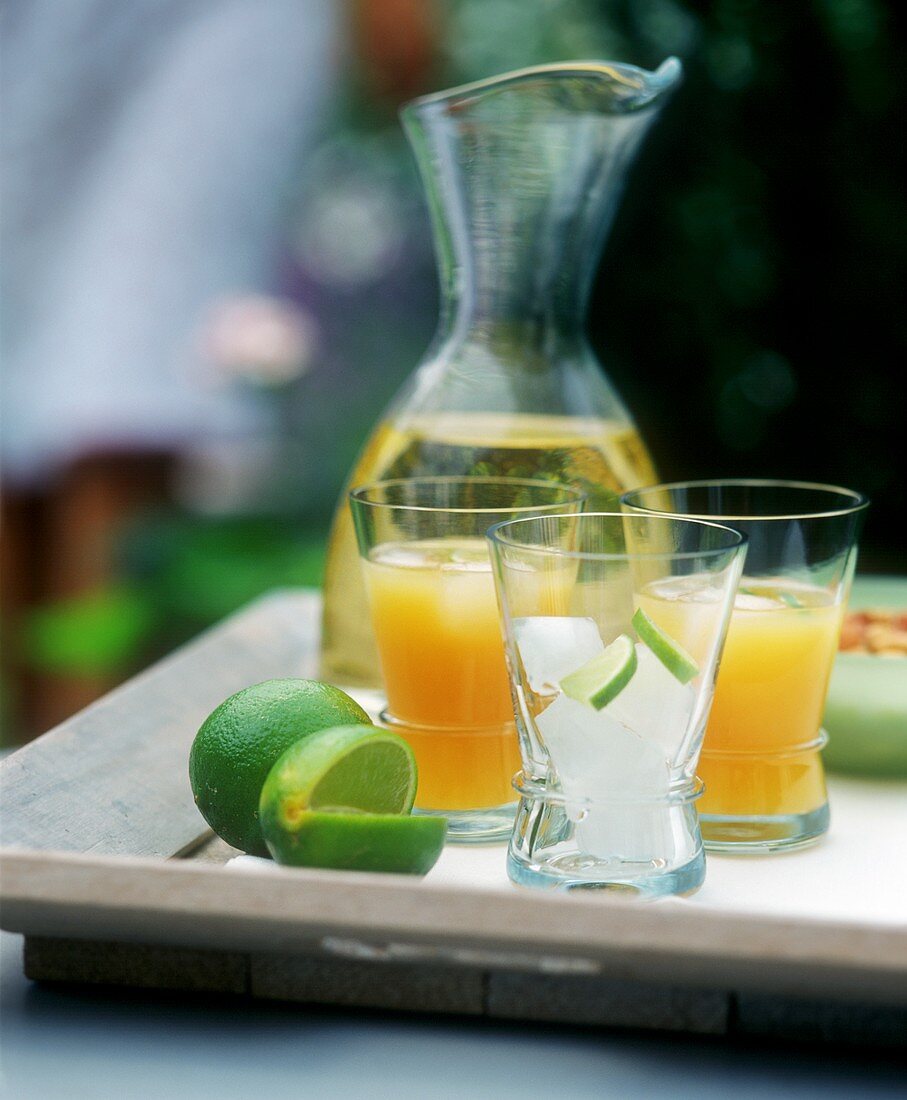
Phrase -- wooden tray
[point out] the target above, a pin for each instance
(111, 874)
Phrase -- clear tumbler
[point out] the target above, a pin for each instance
(427, 572)
(761, 761)
(614, 626)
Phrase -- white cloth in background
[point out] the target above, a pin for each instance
(147, 149)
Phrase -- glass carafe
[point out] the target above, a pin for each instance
(522, 173)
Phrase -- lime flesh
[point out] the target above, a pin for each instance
(670, 652)
(394, 843)
(605, 676)
(345, 768)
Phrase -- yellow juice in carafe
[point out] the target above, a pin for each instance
(600, 456)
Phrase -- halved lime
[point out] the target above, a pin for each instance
(605, 676)
(670, 652)
(394, 843)
(343, 768)
(243, 738)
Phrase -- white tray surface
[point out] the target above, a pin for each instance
(855, 873)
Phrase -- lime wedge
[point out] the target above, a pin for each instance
(671, 653)
(605, 676)
(342, 768)
(395, 843)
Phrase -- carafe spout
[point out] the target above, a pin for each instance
(523, 173)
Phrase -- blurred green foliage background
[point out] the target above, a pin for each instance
(749, 307)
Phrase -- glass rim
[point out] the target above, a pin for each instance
(359, 495)
(859, 501)
(737, 539)
(660, 79)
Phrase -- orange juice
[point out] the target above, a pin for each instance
(601, 456)
(768, 702)
(435, 618)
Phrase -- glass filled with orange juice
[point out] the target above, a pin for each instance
(761, 760)
(435, 617)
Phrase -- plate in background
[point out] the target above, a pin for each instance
(866, 711)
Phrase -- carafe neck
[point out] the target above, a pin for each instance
(523, 174)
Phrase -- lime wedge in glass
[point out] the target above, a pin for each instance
(394, 843)
(605, 676)
(670, 652)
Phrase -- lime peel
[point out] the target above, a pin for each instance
(602, 679)
(669, 651)
(356, 841)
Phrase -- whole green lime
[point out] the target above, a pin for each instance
(240, 741)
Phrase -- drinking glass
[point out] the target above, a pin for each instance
(614, 626)
(431, 595)
(761, 761)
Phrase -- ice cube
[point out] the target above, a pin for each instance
(698, 587)
(467, 557)
(655, 705)
(466, 596)
(635, 833)
(400, 555)
(552, 646)
(752, 601)
(614, 780)
(596, 755)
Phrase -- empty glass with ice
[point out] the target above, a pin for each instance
(614, 626)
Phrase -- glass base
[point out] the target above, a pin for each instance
(751, 835)
(646, 848)
(491, 826)
(650, 880)
(745, 790)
